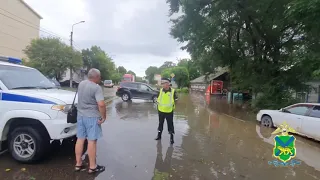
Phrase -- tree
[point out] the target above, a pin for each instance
(181, 75)
(263, 47)
(150, 72)
(167, 64)
(166, 73)
(52, 57)
(192, 67)
(95, 57)
(116, 78)
(305, 12)
(122, 70)
(131, 72)
(139, 79)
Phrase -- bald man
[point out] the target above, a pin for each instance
(91, 114)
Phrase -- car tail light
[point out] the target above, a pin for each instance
(118, 88)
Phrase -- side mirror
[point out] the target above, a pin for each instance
(281, 110)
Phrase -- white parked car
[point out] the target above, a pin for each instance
(302, 117)
(32, 111)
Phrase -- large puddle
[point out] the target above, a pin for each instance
(208, 145)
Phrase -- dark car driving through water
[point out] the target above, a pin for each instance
(136, 90)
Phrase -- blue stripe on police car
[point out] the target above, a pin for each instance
(21, 98)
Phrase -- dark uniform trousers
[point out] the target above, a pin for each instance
(166, 116)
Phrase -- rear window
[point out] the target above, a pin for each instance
(126, 78)
(315, 112)
(128, 85)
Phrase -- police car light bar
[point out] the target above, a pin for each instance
(10, 60)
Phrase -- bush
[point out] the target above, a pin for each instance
(182, 90)
(274, 101)
(185, 90)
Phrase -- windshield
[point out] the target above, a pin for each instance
(127, 78)
(23, 78)
(107, 81)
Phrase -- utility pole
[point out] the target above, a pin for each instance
(71, 44)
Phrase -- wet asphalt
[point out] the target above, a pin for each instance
(211, 142)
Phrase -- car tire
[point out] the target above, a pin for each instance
(125, 97)
(154, 99)
(266, 121)
(28, 145)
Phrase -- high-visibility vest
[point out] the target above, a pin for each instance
(166, 101)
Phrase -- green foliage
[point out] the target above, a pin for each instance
(122, 70)
(52, 57)
(307, 12)
(181, 75)
(166, 73)
(139, 79)
(266, 45)
(182, 90)
(95, 57)
(131, 72)
(116, 77)
(167, 64)
(192, 67)
(150, 72)
(281, 100)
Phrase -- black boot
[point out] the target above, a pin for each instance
(159, 136)
(171, 139)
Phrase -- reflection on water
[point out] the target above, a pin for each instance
(135, 110)
(162, 167)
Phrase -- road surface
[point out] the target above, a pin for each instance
(208, 145)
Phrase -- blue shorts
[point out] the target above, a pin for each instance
(88, 128)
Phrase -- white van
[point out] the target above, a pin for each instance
(32, 111)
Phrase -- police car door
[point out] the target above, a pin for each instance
(1, 103)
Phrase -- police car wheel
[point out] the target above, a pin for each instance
(27, 145)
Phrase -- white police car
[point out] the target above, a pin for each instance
(32, 111)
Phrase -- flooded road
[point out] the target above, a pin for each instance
(208, 145)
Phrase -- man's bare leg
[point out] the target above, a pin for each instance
(92, 152)
(79, 151)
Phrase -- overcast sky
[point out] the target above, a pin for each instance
(135, 33)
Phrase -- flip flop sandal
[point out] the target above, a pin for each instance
(97, 169)
(79, 168)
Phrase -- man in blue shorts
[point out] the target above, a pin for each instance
(91, 114)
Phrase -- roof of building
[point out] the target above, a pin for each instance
(207, 78)
(30, 8)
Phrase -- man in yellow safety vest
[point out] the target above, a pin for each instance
(166, 105)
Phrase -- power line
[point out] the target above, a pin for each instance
(31, 23)
(39, 29)
(10, 35)
(9, 48)
(77, 48)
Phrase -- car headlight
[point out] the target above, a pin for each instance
(64, 108)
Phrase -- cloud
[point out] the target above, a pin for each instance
(134, 32)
